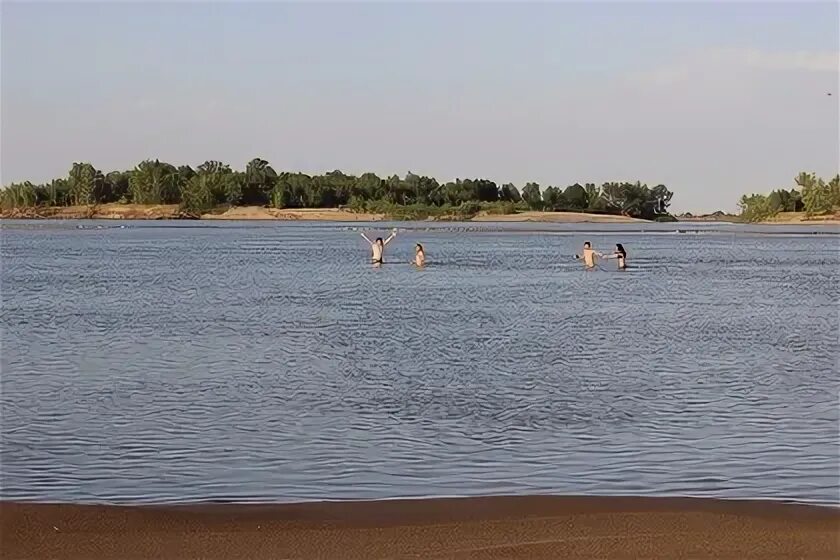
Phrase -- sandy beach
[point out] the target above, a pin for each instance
(558, 217)
(800, 218)
(494, 527)
(170, 212)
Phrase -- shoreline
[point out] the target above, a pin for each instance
(118, 212)
(533, 527)
(171, 212)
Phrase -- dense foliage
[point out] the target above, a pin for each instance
(214, 183)
(812, 195)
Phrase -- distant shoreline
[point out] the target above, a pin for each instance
(781, 219)
(171, 212)
(532, 527)
(116, 211)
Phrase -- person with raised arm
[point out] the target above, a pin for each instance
(377, 247)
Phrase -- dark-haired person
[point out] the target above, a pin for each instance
(377, 247)
(588, 256)
(620, 255)
(419, 255)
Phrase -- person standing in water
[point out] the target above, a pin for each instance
(419, 255)
(588, 256)
(377, 247)
(621, 255)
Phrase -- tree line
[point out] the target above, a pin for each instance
(812, 195)
(213, 184)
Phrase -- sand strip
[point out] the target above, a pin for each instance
(495, 527)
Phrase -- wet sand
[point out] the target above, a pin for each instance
(495, 527)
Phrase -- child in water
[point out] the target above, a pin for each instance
(419, 255)
(589, 255)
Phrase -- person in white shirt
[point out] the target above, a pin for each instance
(377, 247)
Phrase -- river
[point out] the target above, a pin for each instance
(231, 361)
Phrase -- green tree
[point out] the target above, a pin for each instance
(258, 182)
(776, 201)
(816, 197)
(85, 183)
(224, 184)
(197, 196)
(659, 200)
(368, 187)
(214, 183)
(532, 196)
(593, 193)
(486, 190)
(554, 199)
(576, 197)
(282, 195)
(794, 203)
(755, 208)
(834, 191)
(18, 195)
(509, 193)
(58, 192)
(341, 186)
(154, 182)
(117, 186)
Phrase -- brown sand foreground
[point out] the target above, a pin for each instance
(530, 528)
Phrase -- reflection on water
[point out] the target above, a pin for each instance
(273, 362)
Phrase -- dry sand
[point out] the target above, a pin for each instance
(100, 211)
(170, 211)
(800, 218)
(314, 214)
(530, 528)
(557, 217)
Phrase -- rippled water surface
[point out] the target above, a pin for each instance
(269, 362)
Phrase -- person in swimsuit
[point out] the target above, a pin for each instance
(588, 256)
(377, 247)
(419, 255)
(621, 255)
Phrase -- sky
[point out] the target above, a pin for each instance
(712, 99)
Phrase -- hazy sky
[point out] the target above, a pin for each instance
(714, 99)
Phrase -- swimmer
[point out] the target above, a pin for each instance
(589, 255)
(621, 255)
(377, 247)
(419, 255)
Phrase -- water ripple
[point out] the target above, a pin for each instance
(271, 362)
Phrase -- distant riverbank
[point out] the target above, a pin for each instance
(795, 218)
(115, 211)
(533, 527)
(171, 212)
(782, 218)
